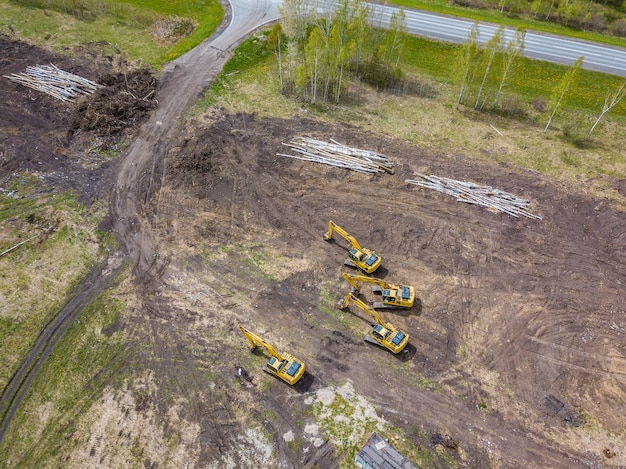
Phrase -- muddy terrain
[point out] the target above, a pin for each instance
(517, 355)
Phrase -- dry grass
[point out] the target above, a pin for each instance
(36, 277)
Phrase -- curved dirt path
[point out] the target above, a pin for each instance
(182, 82)
(137, 179)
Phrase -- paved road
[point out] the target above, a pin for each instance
(539, 46)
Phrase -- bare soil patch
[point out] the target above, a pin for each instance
(517, 354)
(520, 322)
(42, 135)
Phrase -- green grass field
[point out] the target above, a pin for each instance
(124, 24)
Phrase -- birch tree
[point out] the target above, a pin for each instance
(562, 88)
(275, 42)
(611, 100)
(514, 49)
(358, 28)
(394, 39)
(467, 62)
(314, 51)
(493, 48)
(295, 17)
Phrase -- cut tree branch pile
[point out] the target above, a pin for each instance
(55, 82)
(337, 154)
(471, 193)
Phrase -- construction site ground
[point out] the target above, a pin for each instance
(517, 356)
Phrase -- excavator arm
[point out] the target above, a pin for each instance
(393, 295)
(285, 366)
(354, 280)
(363, 258)
(350, 298)
(333, 227)
(255, 341)
(383, 334)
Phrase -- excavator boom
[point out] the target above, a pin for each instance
(285, 366)
(402, 296)
(384, 334)
(366, 260)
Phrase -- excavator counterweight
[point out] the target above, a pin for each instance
(285, 366)
(393, 296)
(383, 333)
(366, 260)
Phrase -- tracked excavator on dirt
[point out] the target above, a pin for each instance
(358, 256)
(283, 365)
(383, 333)
(393, 296)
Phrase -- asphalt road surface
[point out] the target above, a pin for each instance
(550, 48)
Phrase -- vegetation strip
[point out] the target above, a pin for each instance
(16, 389)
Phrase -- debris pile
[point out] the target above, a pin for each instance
(55, 82)
(337, 154)
(471, 193)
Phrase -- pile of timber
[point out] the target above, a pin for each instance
(334, 153)
(52, 80)
(471, 193)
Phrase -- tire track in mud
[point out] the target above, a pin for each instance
(18, 386)
(179, 376)
(492, 260)
(183, 81)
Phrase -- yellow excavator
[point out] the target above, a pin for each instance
(383, 333)
(393, 296)
(360, 257)
(285, 366)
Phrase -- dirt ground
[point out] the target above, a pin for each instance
(517, 355)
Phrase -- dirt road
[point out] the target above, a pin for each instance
(182, 82)
(138, 179)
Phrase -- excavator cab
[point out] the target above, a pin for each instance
(401, 296)
(392, 340)
(278, 367)
(359, 258)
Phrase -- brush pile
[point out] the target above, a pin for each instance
(55, 82)
(471, 193)
(334, 153)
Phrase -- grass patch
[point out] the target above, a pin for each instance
(37, 277)
(45, 429)
(123, 23)
(349, 420)
(421, 453)
(344, 422)
(251, 55)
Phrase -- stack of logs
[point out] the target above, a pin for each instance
(337, 154)
(471, 193)
(55, 82)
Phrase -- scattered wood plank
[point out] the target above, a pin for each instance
(337, 154)
(472, 193)
(19, 244)
(55, 82)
